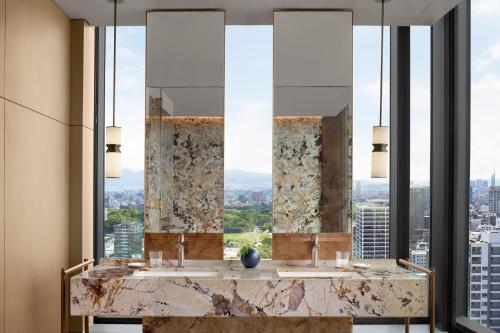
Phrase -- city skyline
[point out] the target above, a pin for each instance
(240, 101)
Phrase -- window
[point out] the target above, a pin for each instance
(420, 143)
(484, 194)
(370, 196)
(124, 197)
(248, 139)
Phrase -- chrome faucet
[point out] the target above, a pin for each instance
(314, 250)
(180, 255)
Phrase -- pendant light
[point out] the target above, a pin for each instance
(380, 133)
(114, 133)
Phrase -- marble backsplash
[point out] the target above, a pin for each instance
(312, 174)
(297, 143)
(184, 172)
(184, 178)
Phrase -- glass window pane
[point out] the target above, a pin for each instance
(484, 247)
(420, 141)
(124, 197)
(248, 139)
(370, 196)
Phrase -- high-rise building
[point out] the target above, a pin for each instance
(493, 180)
(484, 278)
(494, 200)
(128, 239)
(419, 209)
(491, 219)
(420, 255)
(371, 231)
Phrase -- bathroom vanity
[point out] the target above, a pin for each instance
(311, 192)
(224, 289)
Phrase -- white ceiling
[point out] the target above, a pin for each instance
(239, 12)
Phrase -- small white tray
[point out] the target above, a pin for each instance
(136, 264)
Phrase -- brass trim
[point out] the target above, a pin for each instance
(64, 274)
(431, 276)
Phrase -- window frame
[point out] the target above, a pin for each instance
(455, 88)
(99, 158)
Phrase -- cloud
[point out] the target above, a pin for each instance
(485, 117)
(248, 135)
(485, 7)
(488, 57)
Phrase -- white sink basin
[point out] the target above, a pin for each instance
(312, 274)
(167, 273)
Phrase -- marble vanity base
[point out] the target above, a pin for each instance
(246, 324)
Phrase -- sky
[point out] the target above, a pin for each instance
(485, 88)
(248, 95)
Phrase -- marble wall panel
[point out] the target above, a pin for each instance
(296, 174)
(152, 163)
(166, 171)
(312, 162)
(198, 167)
(184, 181)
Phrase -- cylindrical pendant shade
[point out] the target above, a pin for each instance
(113, 135)
(380, 162)
(380, 135)
(113, 165)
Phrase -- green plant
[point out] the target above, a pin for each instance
(245, 248)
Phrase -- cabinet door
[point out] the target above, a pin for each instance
(312, 48)
(185, 49)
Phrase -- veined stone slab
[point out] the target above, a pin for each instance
(384, 290)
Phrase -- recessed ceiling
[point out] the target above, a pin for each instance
(245, 12)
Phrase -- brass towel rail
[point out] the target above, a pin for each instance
(64, 277)
(431, 276)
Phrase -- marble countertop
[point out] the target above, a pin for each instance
(383, 290)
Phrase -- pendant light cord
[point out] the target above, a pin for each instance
(381, 61)
(114, 64)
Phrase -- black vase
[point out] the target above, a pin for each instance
(251, 259)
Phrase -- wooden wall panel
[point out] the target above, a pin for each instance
(81, 194)
(200, 246)
(81, 147)
(37, 57)
(2, 216)
(82, 73)
(81, 141)
(87, 192)
(242, 324)
(36, 218)
(298, 246)
(2, 48)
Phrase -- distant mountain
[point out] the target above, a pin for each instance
(239, 179)
(131, 180)
(233, 179)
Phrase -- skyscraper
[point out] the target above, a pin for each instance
(484, 277)
(494, 200)
(493, 180)
(128, 239)
(371, 231)
(420, 255)
(419, 209)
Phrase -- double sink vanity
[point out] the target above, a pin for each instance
(311, 193)
(276, 288)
